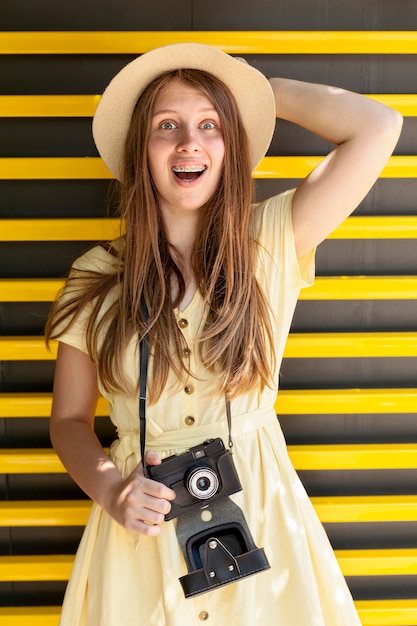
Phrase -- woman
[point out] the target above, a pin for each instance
(182, 128)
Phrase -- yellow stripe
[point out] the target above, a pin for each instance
(378, 562)
(26, 349)
(29, 616)
(325, 288)
(378, 227)
(354, 456)
(297, 402)
(301, 166)
(387, 612)
(35, 405)
(289, 402)
(299, 346)
(86, 168)
(45, 513)
(85, 105)
(37, 567)
(356, 345)
(75, 229)
(233, 42)
(361, 288)
(48, 106)
(29, 289)
(352, 562)
(345, 401)
(355, 509)
(51, 168)
(98, 229)
(339, 509)
(371, 612)
(305, 457)
(30, 461)
(406, 104)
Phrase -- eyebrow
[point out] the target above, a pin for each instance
(174, 112)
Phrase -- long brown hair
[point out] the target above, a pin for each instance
(236, 338)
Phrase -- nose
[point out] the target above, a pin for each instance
(188, 140)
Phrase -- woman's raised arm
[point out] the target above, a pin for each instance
(365, 133)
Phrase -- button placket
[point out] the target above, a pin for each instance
(189, 405)
(190, 388)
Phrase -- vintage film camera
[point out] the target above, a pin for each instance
(218, 547)
(199, 476)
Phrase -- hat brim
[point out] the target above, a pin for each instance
(250, 88)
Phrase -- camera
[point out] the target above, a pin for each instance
(218, 550)
(199, 476)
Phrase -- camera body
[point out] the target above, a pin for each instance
(199, 476)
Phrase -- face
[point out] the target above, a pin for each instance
(185, 149)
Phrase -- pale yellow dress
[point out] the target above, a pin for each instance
(123, 579)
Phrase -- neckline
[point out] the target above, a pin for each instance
(190, 305)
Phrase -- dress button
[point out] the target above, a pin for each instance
(189, 389)
(183, 323)
(204, 616)
(189, 420)
(187, 352)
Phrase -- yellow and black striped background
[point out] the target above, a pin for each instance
(349, 378)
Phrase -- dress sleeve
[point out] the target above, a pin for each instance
(276, 237)
(76, 333)
(97, 260)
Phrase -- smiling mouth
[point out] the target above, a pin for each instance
(188, 172)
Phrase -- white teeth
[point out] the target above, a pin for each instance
(189, 168)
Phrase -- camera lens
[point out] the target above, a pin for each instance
(202, 483)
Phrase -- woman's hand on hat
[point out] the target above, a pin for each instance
(241, 60)
(140, 504)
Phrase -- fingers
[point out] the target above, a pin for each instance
(152, 458)
(147, 509)
(140, 503)
(158, 490)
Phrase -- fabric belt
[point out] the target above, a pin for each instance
(177, 441)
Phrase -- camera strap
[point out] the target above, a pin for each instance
(143, 369)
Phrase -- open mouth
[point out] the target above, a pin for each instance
(188, 172)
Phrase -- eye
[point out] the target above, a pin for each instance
(168, 125)
(208, 125)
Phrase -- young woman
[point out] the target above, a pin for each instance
(182, 127)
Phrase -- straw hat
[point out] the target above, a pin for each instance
(250, 88)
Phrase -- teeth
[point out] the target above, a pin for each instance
(189, 168)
